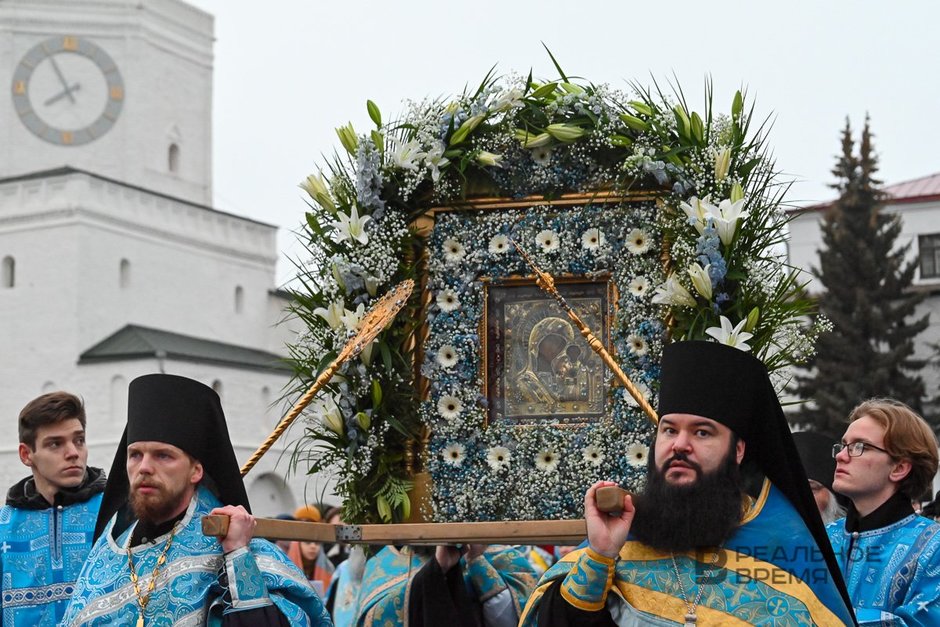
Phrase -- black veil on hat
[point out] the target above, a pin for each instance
(732, 387)
(182, 412)
(815, 451)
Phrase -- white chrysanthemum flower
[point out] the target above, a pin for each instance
(637, 454)
(542, 155)
(447, 356)
(547, 240)
(499, 244)
(638, 242)
(449, 407)
(593, 455)
(547, 460)
(447, 300)
(454, 454)
(638, 345)
(453, 250)
(592, 239)
(639, 286)
(498, 457)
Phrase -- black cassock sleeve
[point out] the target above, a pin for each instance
(258, 617)
(441, 600)
(554, 611)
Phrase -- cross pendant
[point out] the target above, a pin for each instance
(691, 619)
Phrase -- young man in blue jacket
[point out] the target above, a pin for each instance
(47, 524)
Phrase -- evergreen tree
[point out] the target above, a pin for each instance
(870, 350)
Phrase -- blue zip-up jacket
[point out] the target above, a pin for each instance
(43, 547)
(891, 563)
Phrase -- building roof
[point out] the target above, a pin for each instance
(136, 342)
(923, 189)
(67, 170)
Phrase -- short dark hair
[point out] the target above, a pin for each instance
(48, 409)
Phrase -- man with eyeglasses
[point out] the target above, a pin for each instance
(890, 556)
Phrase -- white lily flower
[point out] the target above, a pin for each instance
(698, 212)
(489, 159)
(511, 99)
(673, 293)
(732, 336)
(351, 319)
(435, 160)
(406, 155)
(365, 355)
(701, 281)
(333, 314)
(726, 218)
(351, 227)
(326, 411)
(722, 163)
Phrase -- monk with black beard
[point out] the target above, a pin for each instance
(697, 547)
(684, 516)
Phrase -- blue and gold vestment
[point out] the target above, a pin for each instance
(770, 572)
(188, 590)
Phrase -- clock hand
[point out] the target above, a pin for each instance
(62, 94)
(58, 72)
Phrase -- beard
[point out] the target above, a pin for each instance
(679, 518)
(159, 506)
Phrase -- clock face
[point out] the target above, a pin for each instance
(67, 91)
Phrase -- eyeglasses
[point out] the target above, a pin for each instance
(855, 449)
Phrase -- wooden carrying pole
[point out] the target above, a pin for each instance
(609, 499)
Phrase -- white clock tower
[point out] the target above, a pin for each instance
(121, 88)
(113, 263)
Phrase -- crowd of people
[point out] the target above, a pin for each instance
(740, 522)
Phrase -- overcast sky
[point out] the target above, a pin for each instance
(287, 72)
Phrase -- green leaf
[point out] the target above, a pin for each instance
(561, 72)
(376, 393)
(374, 113)
(379, 140)
(325, 361)
(386, 357)
(544, 90)
(385, 512)
(682, 122)
(698, 129)
(621, 140)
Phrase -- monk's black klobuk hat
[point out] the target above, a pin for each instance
(732, 387)
(182, 412)
(815, 451)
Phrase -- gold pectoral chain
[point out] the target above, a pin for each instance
(144, 599)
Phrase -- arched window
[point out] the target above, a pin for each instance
(239, 298)
(125, 273)
(8, 272)
(173, 158)
(118, 399)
